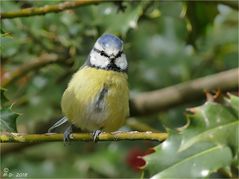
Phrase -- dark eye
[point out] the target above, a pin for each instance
(118, 54)
(102, 53)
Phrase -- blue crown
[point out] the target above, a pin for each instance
(108, 40)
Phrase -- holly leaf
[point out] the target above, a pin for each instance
(200, 15)
(233, 101)
(3, 97)
(7, 116)
(212, 122)
(129, 18)
(8, 120)
(202, 148)
(198, 161)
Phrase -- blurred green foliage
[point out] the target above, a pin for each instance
(166, 43)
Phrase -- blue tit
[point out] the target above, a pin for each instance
(97, 96)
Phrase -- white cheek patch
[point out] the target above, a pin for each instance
(98, 46)
(98, 60)
(121, 62)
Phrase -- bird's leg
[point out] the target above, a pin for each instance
(67, 134)
(96, 134)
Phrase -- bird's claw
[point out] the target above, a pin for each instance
(67, 135)
(96, 134)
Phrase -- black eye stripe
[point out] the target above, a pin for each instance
(102, 53)
(95, 49)
(119, 54)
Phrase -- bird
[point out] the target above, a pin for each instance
(97, 96)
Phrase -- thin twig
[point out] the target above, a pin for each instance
(42, 61)
(47, 9)
(50, 137)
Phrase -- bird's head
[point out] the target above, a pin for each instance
(107, 54)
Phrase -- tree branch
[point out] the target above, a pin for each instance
(232, 4)
(47, 9)
(42, 127)
(158, 100)
(42, 61)
(32, 138)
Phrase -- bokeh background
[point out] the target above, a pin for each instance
(166, 43)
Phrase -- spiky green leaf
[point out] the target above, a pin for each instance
(8, 120)
(7, 116)
(2, 97)
(206, 145)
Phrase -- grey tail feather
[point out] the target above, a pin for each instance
(58, 123)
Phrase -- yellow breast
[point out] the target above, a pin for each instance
(89, 107)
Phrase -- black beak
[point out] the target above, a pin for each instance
(112, 59)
